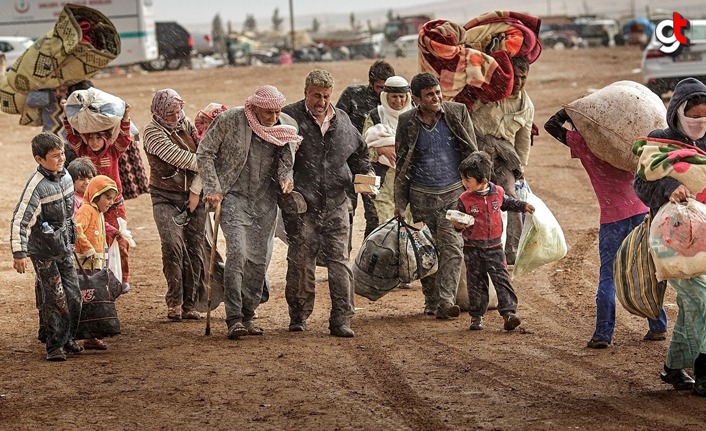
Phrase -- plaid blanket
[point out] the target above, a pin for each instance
(473, 62)
(660, 158)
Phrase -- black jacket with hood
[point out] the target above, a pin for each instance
(656, 193)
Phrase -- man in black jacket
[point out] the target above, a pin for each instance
(330, 154)
(431, 142)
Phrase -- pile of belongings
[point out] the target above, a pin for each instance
(473, 62)
(82, 42)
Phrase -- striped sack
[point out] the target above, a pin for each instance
(636, 284)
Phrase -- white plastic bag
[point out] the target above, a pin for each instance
(542, 240)
(124, 232)
(114, 263)
(678, 240)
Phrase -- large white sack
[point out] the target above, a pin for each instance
(93, 110)
(611, 118)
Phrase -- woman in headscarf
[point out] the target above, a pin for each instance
(379, 133)
(686, 117)
(170, 143)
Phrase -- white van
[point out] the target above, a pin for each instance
(661, 72)
(133, 19)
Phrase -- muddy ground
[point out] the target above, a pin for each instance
(402, 371)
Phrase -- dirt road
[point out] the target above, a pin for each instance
(402, 371)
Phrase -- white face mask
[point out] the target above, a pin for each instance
(693, 128)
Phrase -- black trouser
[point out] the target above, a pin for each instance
(481, 263)
(59, 298)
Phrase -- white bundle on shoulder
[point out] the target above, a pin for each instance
(93, 110)
(381, 135)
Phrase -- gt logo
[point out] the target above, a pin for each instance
(670, 33)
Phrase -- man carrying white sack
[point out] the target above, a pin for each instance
(245, 159)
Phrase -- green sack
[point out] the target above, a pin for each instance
(634, 272)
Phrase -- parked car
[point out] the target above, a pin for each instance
(600, 32)
(560, 36)
(407, 46)
(13, 47)
(175, 47)
(661, 72)
(203, 44)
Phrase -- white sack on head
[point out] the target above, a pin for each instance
(613, 117)
(93, 110)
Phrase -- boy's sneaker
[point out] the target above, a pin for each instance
(56, 355)
(125, 288)
(511, 321)
(476, 323)
(182, 219)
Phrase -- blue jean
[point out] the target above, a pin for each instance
(610, 236)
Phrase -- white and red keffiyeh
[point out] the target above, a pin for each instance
(269, 97)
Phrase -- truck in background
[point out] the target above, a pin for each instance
(175, 46)
(134, 20)
(392, 46)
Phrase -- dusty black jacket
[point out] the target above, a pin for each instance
(325, 164)
(357, 101)
(656, 193)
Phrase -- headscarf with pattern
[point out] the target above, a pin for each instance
(211, 111)
(165, 101)
(269, 97)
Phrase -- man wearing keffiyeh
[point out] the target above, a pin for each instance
(245, 160)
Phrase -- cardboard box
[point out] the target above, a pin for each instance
(367, 179)
(366, 188)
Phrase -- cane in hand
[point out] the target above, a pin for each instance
(212, 266)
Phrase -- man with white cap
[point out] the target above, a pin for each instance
(246, 155)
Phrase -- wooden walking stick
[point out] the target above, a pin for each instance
(212, 266)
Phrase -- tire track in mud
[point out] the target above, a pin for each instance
(511, 386)
(409, 404)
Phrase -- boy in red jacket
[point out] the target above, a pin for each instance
(482, 245)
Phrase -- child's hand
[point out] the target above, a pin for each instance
(20, 265)
(529, 208)
(126, 114)
(193, 201)
(459, 226)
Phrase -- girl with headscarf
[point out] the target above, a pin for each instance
(170, 144)
(379, 133)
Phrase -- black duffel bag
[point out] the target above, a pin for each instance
(99, 317)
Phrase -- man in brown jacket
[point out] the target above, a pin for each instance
(431, 142)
